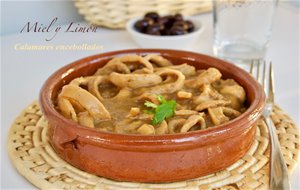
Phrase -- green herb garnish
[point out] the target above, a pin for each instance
(164, 110)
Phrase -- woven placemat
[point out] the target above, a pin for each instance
(34, 158)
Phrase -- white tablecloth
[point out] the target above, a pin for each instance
(23, 72)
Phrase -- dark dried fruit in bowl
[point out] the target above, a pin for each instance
(168, 21)
(142, 25)
(160, 26)
(149, 20)
(153, 15)
(191, 26)
(177, 30)
(154, 33)
(162, 20)
(155, 29)
(165, 32)
(181, 24)
(178, 17)
(153, 24)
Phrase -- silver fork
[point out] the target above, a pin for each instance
(279, 177)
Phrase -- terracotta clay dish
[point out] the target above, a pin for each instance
(151, 158)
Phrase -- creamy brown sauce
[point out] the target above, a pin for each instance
(113, 98)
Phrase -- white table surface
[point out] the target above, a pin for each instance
(23, 72)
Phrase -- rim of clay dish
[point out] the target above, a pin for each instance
(234, 127)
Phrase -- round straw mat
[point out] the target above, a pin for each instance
(34, 158)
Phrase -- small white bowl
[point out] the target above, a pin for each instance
(166, 42)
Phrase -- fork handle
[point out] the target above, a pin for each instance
(279, 178)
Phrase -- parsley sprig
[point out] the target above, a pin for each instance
(164, 110)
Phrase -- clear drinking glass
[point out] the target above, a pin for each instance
(242, 28)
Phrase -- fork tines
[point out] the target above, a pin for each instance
(264, 76)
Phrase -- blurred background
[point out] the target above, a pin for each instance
(15, 14)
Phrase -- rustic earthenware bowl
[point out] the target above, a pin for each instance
(159, 158)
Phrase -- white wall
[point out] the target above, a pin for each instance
(15, 14)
